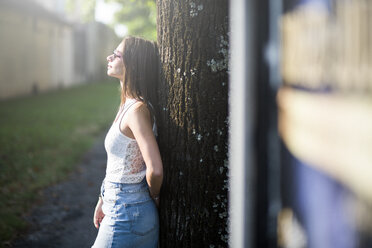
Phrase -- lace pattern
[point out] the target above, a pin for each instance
(125, 163)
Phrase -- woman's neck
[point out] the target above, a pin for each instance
(122, 85)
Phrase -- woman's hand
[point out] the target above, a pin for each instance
(98, 213)
(156, 200)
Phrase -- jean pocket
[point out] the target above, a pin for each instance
(109, 197)
(144, 217)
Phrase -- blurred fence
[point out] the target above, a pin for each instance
(40, 49)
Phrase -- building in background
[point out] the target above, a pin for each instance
(43, 47)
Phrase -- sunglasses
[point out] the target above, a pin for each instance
(116, 54)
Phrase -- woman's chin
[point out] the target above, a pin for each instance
(110, 74)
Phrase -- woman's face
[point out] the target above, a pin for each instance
(115, 64)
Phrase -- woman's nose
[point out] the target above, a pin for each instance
(109, 58)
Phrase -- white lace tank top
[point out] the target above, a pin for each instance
(125, 163)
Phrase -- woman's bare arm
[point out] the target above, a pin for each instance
(139, 122)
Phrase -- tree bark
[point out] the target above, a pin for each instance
(192, 121)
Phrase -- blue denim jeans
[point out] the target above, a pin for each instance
(131, 217)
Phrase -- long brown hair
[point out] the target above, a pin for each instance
(141, 70)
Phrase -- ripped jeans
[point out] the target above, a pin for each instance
(131, 217)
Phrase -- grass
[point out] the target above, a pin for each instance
(42, 139)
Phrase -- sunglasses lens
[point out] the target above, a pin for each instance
(114, 55)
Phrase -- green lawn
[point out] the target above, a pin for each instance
(42, 138)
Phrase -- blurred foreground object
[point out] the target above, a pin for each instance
(325, 120)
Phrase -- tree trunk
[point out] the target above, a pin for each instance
(193, 124)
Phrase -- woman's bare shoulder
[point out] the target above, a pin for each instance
(139, 109)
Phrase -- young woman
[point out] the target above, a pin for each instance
(126, 213)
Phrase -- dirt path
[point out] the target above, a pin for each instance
(64, 218)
